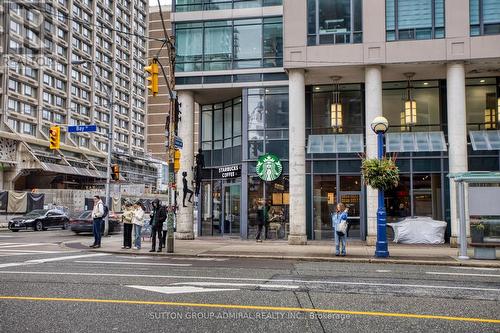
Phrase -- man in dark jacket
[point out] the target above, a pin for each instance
(158, 216)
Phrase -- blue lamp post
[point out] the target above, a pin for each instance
(380, 125)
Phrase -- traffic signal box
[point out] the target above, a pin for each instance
(115, 172)
(54, 137)
(177, 160)
(152, 70)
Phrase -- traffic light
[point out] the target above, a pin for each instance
(152, 70)
(115, 172)
(177, 160)
(54, 137)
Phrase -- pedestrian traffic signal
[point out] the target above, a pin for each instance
(115, 172)
(177, 160)
(54, 137)
(152, 70)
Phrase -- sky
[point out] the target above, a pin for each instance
(163, 2)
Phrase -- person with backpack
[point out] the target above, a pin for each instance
(158, 216)
(339, 221)
(138, 222)
(98, 213)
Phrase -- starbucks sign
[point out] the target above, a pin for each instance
(269, 167)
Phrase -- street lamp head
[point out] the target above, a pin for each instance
(380, 125)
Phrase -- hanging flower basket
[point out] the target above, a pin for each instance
(380, 174)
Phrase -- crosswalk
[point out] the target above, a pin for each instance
(18, 249)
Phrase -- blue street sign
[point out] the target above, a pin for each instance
(178, 142)
(83, 128)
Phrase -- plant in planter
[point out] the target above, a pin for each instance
(477, 232)
(380, 174)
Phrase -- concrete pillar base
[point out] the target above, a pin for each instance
(297, 240)
(184, 235)
(454, 241)
(371, 240)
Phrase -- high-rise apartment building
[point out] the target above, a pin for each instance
(61, 59)
(158, 106)
(299, 82)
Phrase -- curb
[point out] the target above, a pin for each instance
(451, 262)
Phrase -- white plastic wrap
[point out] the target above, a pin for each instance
(419, 230)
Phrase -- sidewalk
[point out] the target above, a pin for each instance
(357, 251)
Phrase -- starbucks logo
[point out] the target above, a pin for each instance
(269, 167)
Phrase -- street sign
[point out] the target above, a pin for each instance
(178, 142)
(83, 128)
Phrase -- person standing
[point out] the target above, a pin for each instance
(97, 214)
(261, 220)
(138, 222)
(127, 217)
(158, 216)
(339, 217)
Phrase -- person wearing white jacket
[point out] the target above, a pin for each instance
(97, 215)
(138, 222)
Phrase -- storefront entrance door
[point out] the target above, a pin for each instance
(352, 200)
(231, 209)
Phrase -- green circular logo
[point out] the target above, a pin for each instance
(269, 167)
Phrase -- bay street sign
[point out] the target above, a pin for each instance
(269, 167)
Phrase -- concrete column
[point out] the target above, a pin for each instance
(297, 157)
(373, 108)
(457, 135)
(185, 218)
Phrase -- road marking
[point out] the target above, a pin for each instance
(131, 263)
(478, 268)
(383, 270)
(174, 258)
(41, 261)
(180, 289)
(256, 307)
(32, 251)
(218, 284)
(24, 245)
(5, 236)
(462, 274)
(200, 259)
(391, 285)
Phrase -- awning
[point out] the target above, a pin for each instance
(70, 170)
(415, 142)
(485, 140)
(335, 143)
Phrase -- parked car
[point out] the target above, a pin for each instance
(82, 222)
(40, 219)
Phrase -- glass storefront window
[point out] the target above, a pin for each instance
(410, 19)
(426, 96)
(351, 99)
(223, 45)
(484, 17)
(196, 5)
(334, 22)
(397, 200)
(268, 122)
(482, 104)
(221, 132)
(255, 195)
(324, 201)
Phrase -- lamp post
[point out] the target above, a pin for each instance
(380, 125)
(110, 137)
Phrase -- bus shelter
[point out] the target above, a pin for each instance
(460, 179)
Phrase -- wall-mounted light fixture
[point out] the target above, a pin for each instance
(336, 106)
(409, 114)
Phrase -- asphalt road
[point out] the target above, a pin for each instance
(47, 288)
